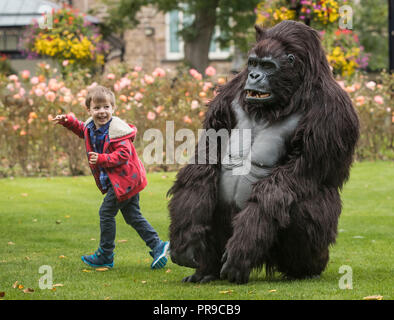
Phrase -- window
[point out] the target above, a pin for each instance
(9, 39)
(174, 43)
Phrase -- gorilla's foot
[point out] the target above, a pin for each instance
(200, 278)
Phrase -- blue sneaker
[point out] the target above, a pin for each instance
(98, 259)
(159, 255)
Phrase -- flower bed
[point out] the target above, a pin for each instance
(32, 145)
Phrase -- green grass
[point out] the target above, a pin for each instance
(42, 219)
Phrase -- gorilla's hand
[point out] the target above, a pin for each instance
(188, 258)
(234, 270)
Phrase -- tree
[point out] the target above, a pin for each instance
(233, 17)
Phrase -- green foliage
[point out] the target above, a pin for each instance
(30, 207)
(232, 16)
(371, 23)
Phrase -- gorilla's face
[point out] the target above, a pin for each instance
(265, 73)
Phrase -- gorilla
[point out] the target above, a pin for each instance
(282, 213)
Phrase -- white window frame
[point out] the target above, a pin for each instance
(215, 55)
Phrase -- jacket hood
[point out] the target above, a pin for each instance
(118, 128)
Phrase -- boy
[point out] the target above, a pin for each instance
(118, 172)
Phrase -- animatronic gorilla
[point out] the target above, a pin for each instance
(284, 212)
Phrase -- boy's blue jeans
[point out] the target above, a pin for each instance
(131, 212)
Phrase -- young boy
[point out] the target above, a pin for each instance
(118, 172)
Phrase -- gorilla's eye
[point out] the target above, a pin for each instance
(252, 63)
(290, 58)
(268, 65)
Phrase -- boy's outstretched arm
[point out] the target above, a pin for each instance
(71, 123)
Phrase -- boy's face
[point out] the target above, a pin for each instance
(101, 112)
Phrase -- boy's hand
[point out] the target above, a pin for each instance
(62, 118)
(93, 156)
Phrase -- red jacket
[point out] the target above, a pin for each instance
(119, 158)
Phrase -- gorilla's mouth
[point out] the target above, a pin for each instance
(257, 95)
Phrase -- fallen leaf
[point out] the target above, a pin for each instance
(226, 291)
(373, 298)
(35, 220)
(273, 290)
(62, 257)
(102, 269)
(143, 281)
(67, 216)
(86, 270)
(168, 271)
(58, 285)
(27, 258)
(15, 284)
(20, 286)
(122, 241)
(92, 239)
(107, 298)
(53, 289)
(11, 243)
(2, 294)
(28, 290)
(24, 194)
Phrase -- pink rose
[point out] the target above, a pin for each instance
(378, 99)
(149, 79)
(13, 77)
(138, 96)
(360, 100)
(67, 99)
(65, 63)
(187, 119)
(50, 96)
(159, 72)
(210, 71)
(38, 92)
(137, 68)
(53, 85)
(25, 74)
(195, 74)
(110, 76)
(34, 80)
(151, 115)
(371, 85)
(159, 109)
(195, 104)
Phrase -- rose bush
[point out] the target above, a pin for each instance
(32, 145)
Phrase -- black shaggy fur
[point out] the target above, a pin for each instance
(292, 215)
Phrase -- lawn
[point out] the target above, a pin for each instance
(53, 221)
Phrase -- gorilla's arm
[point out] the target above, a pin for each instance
(320, 155)
(194, 193)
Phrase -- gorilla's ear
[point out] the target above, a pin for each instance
(260, 33)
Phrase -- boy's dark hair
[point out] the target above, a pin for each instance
(100, 94)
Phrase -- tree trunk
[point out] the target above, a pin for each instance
(197, 49)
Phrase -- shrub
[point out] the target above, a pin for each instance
(34, 146)
(374, 104)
